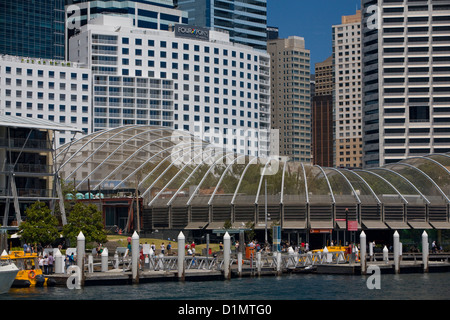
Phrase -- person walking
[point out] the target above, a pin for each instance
(50, 263)
(45, 265)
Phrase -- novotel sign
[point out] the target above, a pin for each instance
(192, 32)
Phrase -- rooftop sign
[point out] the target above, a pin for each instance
(192, 32)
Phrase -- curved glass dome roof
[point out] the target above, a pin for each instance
(172, 168)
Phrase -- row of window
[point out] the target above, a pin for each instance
(47, 107)
(50, 96)
(196, 48)
(49, 85)
(50, 74)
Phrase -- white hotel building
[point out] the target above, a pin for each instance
(197, 81)
(58, 91)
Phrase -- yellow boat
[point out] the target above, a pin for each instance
(334, 249)
(29, 275)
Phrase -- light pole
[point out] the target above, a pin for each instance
(265, 208)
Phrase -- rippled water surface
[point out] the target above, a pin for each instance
(432, 286)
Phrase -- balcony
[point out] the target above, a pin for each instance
(24, 143)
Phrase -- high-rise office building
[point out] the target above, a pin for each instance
(32, 29)
(246, 21)
(149, 14)
(193, 81)
(406, 66)
(291, 97)
(347, 97)
(44, 89)
(322, 114)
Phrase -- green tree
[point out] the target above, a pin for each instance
(87, 219)
(40, 225)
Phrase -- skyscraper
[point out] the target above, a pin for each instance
(406, 67)
(322, 114)
(32, 28)
(245, 20)
(347, 92)
(291, 99)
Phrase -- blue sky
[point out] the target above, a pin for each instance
(310, 19)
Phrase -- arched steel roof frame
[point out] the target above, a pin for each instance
(181, 170)
(220, 180)
(165, 170)
(349, 183)
(329, 185)
(89, 141)
(111, 154)
(150, 159)
(195, 170)
(367, 185)
(132, 156)
(428, 177)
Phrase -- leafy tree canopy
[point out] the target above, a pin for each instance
(40, 225)
(87, 219)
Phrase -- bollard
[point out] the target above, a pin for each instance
(385, 254)
(258, 262)
(105, 260)
(240, 263)
(278, 263)
(425, 249)
(59, 262)
(181, 255)
(396, 251)
(226, 255)
(371, 251)
(80, 255)
(362, 238)
(116, 260)
(135, 257)
(90, 264)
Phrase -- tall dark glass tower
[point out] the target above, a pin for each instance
(245, 20)
(32, 28)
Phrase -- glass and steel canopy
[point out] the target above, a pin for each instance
(209, 185)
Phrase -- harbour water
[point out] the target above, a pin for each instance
(429, 286)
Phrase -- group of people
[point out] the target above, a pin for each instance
(46, 263)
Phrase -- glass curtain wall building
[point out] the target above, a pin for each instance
(245, 20)
(32, 29)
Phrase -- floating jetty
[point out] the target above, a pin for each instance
(120, 277)
(128, 268)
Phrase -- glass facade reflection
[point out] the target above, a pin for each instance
(245, 20)
(32, 29)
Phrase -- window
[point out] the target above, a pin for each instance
(419, 113)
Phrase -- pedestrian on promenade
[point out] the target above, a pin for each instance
(50, 263)
(45, 265)
(41, 263)
(162, 248)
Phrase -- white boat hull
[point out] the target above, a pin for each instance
(7, 275)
